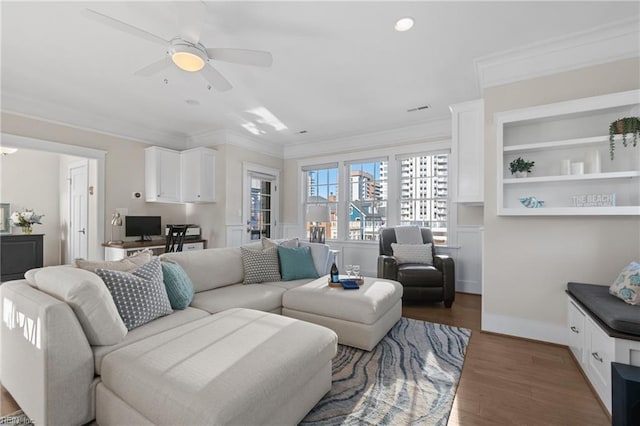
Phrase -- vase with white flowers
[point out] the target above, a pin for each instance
(26, 219)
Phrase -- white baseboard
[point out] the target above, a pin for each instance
(529, 329)
(472, 287)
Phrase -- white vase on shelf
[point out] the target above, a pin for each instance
(594, 162)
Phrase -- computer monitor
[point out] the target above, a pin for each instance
(142, 226)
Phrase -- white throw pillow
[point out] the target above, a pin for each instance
(90, 300)
(627, 285)
(413, 253)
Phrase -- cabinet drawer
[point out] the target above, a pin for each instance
(576, 331)
(599, 354)
(192, 246)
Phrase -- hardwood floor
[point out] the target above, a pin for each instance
(511, 381)
(505, 381)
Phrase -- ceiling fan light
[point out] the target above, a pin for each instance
(187, 58)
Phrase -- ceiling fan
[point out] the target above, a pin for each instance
(187, 54)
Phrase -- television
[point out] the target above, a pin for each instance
(142, 226)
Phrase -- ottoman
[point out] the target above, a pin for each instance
(360, 317)
(239, 366)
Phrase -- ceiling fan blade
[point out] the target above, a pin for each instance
(123, 26)
(154, 67)
(216, 79)
(241, 56)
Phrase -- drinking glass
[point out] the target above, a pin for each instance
(356, 271)
(349, 270)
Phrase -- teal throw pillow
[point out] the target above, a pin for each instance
(296, 263)
(178, 284)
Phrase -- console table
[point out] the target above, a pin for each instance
(18, 254)
(122, 250)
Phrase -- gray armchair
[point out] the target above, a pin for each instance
(420, 282)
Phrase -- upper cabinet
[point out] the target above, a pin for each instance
(573, 173)
(162, 175)
(198, 180)
(180, 177)
(467, 151)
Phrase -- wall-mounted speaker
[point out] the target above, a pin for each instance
(625, 395)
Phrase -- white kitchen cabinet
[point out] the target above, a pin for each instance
(198, 175)
(467, 151)
(162, 175)
(573, 172)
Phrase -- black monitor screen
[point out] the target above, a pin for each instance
(142, 226)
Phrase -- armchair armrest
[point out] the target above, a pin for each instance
(445, 264)
(387, 267)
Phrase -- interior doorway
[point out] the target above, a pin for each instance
(77, 220)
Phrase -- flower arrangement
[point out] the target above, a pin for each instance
(26, 219)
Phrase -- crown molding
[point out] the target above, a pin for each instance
(231, 137)
(606, 43)
(437, 128)
(50, 112)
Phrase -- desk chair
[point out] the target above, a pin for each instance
(175, 238)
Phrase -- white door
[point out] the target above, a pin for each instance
(78, 210)
(261, 203)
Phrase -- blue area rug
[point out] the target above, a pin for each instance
(410, 377)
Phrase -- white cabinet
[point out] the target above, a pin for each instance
(162, 175)
(198, 175)
(467, 151)
(573, 172)
(595, 350)
(120, 251)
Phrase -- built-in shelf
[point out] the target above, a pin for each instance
(566, 134)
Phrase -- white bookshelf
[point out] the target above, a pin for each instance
(572, 131)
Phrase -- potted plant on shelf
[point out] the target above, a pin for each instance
(623, 126)
(520, 168)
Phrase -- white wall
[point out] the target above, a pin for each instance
(29, 180)
(529, 260)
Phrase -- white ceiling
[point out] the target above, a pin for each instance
(339, 68)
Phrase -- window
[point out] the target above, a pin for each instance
(321, 183)
(367, 199)
(423, 193)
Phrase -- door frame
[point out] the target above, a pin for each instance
(247, 168)
(78, 151)
(84, 162)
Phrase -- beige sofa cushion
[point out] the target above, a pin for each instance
(237, 367)
(210, 268)
(90, 300)
(262, 297)
(125, 265)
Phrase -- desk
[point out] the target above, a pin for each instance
(127, 248)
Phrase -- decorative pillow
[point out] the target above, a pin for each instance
(127, 264)
(260, 265)
(267, 243)
(627, 285)
(178, 285)
(296, 263)
(140, 296)
(413, 253)
(88, 297)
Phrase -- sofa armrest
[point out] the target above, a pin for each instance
(46, 360)
(446, 265)
(387, 267)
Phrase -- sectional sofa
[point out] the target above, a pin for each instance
(225, 359)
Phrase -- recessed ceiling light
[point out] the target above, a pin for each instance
(404, 24)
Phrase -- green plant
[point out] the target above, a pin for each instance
(520, 165)
(623, 126)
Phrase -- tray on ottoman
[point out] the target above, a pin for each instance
(360, 318)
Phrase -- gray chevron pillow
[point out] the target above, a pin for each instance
(260, 265)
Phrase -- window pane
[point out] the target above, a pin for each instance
(423, 193)
(367, 199)
(322, 189)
